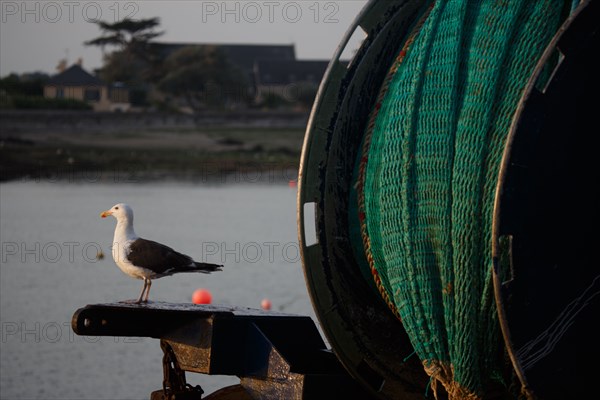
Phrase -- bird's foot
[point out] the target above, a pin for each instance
(131, 301)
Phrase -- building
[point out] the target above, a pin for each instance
(242, 56)
(78, 84)
(270, 69)
(288, 79)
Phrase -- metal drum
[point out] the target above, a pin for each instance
(546, 216)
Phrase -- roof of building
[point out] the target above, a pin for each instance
(242, 55)
(282, 72)
(75, 75)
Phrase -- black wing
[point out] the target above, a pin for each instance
(162, 259)
(158, 257)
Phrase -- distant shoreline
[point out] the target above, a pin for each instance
(118, 150)
(250, 177)
(31, 121)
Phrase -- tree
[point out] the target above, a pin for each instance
(305, 93)
(31, 84)
(134, 61)
(204, 77)
(128, 34)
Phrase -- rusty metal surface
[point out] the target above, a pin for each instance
(235, 392)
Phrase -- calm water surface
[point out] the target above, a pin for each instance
(50, 235)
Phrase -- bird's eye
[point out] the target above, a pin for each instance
(116, 208)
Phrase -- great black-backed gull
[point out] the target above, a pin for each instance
(145, 259)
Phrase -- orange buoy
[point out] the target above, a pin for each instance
(265, 304)
(201, 296)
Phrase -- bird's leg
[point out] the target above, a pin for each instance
(148, 289)
(139, 300)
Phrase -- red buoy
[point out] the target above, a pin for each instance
(265, 304)
(201, 296)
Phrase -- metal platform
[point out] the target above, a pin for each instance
(275, 355)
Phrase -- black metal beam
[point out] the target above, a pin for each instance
(276, 355)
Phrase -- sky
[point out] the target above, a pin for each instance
(36, 35)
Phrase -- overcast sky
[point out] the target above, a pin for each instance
(35, 35)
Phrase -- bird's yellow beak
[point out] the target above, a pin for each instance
(105, 214)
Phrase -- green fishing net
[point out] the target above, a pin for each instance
(428, 176)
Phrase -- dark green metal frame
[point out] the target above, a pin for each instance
(365, 335)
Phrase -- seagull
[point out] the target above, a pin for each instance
(145, 259)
